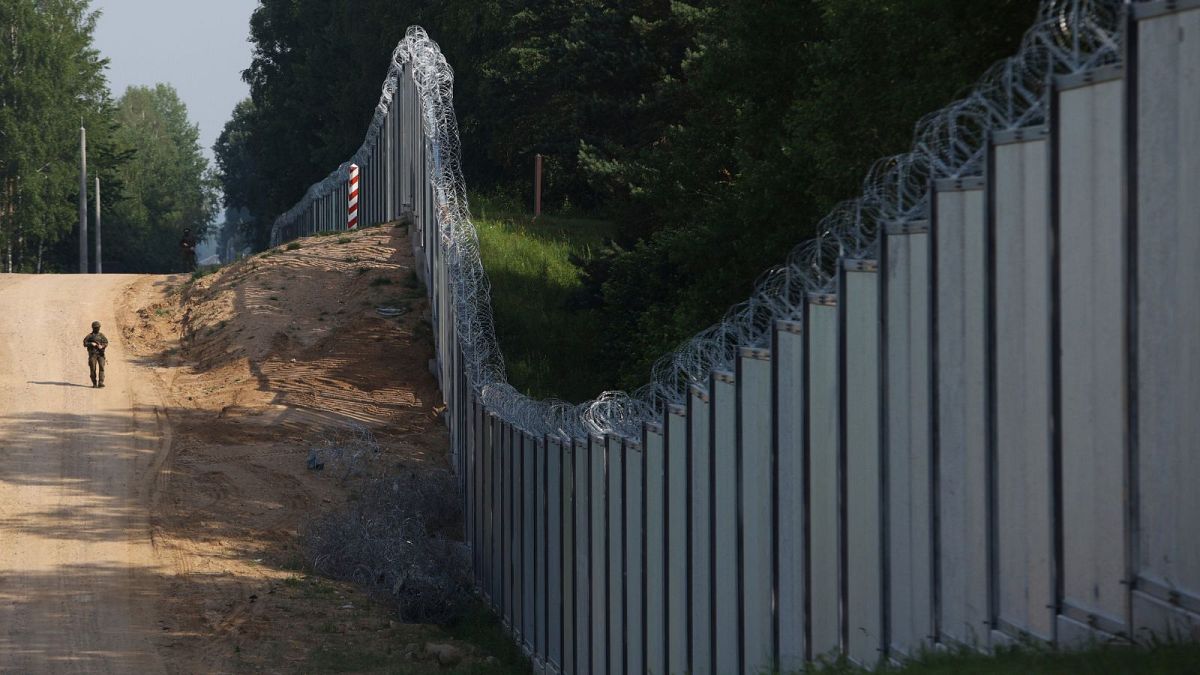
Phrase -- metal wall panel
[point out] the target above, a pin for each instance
(494, 509)
(1167, 450)
(788, 354)
(724, 536)
(909, 444)
(677, 526)
(656, 565)
(512, 526)
(541, 543)
(864, 533)
(1127, 445)
(569, 568)
(1025, 589)
(583, 558)
(477, 498)
(1092, 375)
(481, 547)
(516, 526)
(756, 526)
(470, 485)
(959, 228)
(504, 520)
(635, 559)
(529, 517)
(825, 560)
(519, 523)
(617, 619)
(598, 534)
(556, 498)
(700, 536)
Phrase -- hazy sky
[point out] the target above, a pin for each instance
(198, 46)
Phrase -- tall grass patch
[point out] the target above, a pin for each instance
(551, 349)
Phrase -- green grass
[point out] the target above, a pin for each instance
(293, 246)
(1166, 658)
(481, 628)
(202, 272)
(550, 350)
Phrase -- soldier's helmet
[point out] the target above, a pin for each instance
(95, 325)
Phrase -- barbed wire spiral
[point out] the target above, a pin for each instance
(1069, 36)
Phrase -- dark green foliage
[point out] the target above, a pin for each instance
(314, 81)
(240, 180)
(168, 188)
(551, 77)
(715, 134)
(51, 82)
(154, 181)
(788, 105)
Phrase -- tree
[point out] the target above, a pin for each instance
(53, 82)
(241, 183)
(314, 80)
(576, 80)
(556, 77)
(717, 134)
(787, 105)
(169, 185)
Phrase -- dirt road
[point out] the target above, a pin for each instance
(78, 574)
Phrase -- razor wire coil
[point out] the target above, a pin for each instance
(1068, 37)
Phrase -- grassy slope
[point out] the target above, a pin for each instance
(549, 349)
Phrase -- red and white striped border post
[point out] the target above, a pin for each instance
(352, 218)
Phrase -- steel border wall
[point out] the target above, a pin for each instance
(626, 507)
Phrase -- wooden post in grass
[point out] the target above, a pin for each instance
(537, 185)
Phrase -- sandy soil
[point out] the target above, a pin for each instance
(157, 519)
(79, 577)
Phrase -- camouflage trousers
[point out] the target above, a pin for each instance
(96, 366)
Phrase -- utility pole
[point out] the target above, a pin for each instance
(99, 266)
(83, 237)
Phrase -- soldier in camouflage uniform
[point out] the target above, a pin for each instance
(187, 251)
(96, 343)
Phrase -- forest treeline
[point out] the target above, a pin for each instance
(154, 179)
(715, 133)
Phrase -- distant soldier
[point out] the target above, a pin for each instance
(96, 343)
(187, 250)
